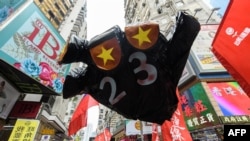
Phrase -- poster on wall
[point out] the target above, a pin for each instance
(24, 130)
(8, 97)
(198, 111)
(201, 53)
(32, 45)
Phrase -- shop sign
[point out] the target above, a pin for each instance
(32, 44)
(231, 98)
(48, 131)
(197, 108)
(24, 130)
(133, 127)
(235, 119)
(25, 109)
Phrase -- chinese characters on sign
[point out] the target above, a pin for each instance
(197, 109)
(230, 98)
(24, 130)
(235, 119)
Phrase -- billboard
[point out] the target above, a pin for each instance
(232, 100)
(197, 108)
(201, 52)
(32, 44)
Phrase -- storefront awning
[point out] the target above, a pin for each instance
(22, 82)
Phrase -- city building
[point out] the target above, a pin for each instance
(61, 19)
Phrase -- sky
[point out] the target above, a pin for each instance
(218, 3)
(104, 14)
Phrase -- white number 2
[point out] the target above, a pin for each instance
(112, 83)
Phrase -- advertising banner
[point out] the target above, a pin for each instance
(8, 97)
(201, 53)
(32, 44)
(24, 130)
(231, 43)
(232, 100)
(198, 111)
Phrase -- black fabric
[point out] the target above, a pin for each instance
(76, 51)
(123, 88)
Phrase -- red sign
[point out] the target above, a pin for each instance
(231, 44)
(25, 109)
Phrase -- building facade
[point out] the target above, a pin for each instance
(63, 18)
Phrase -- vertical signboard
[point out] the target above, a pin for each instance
(32, 44)
(198, 111)
(8, 97)
(24, 130)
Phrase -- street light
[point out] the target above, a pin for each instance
(214, 9)
(197, 10)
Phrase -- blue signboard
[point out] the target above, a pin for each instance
(31, 44)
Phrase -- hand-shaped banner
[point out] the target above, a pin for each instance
(134, 72)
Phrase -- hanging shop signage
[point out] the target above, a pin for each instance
(47, 130)
(8, 97)
(25, 109)
(235, 119)
(24, 130)
(232, 100)
(23, 82)
(32, 45)
(197, 109)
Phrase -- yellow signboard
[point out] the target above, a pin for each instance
(24, 130)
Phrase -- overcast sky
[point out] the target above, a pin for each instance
(103, 14)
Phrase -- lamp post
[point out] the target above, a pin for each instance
(214, 9)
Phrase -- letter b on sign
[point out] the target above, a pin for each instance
(241, 132)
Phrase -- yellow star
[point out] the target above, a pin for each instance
(142, 36)
(106, 55)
